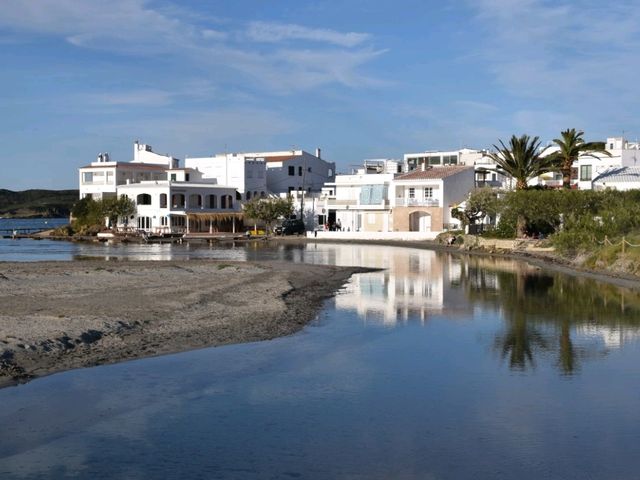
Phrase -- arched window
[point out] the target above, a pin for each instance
(143, 199)
(230, 202)
(212, 201)
(177, 200)
(163, 200)
(195, 200)
(223, 201)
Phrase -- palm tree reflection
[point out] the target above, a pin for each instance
(542, 311)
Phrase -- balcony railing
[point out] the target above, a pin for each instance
(417, 202)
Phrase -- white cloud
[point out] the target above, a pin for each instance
(278, 32)
(133, 27)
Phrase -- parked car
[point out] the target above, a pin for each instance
(291, 227)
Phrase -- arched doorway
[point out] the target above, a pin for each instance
(420, 222)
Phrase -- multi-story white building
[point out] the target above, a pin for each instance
(244, 171)
(168, 199)
(371, 200)
(622, 154)
(182, 203)
(296, 170)
(360, 201)
(101, 178)
(487, 172)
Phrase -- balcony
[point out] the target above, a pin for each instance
(417, 202)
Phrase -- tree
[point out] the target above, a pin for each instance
(268, 209)
(482, 202)
(522, 160)
(572, 146)
(114, 208)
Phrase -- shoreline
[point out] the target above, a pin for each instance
(57, 316)
(62, 315)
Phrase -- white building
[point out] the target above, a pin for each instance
(618, 178)
(623, 154)
(101, 178)
(244, 171)
(360, 201)
(182, 203)
(487, 172)
(168, 199)
(291, 170)
(372, 200)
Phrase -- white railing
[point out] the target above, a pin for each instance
(417, 202)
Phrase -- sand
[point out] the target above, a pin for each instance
(56, 316)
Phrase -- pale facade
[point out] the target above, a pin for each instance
(487, 173)
(246, 172)
(101, 178)
(623, 154)
(422, 199)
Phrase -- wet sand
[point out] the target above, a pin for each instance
(57, 316)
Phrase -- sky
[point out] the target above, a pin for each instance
(360, 79)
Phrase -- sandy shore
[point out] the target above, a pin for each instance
(56, 316)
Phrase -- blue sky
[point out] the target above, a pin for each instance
(358, 78)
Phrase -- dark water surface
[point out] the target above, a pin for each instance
(439, 367)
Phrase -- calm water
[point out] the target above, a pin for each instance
(439, 367)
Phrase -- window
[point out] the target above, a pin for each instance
(144, 222)
(163, 200)
(292, 170)
(412, 192)
(195, 200)
(434, 160)
(143, 199)
(611, 146)
(248, 195)
(173, 177)
(87, 177)
(213, 201)
(177, 200)
(428, 192)
(585, 172)
(309, 170)
(291, 190)
(299, 171)
(450, 160)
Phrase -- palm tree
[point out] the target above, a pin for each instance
(572, 145)
(522, 159)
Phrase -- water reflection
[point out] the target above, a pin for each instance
(550, 313)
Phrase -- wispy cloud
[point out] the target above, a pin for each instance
(278, 32)
(134, 28)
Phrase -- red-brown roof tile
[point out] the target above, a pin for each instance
(432, 173)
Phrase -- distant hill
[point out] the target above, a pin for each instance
(37, 203)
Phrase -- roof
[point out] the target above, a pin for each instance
(143, 166)
(620, 175)
(280, 158)
(432, 173)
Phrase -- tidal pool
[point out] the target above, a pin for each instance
(438, 367)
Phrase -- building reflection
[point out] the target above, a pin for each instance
(546, 316)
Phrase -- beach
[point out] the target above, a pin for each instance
(56, 316)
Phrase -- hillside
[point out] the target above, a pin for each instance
(36, 203)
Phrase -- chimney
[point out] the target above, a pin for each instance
(318, 152)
